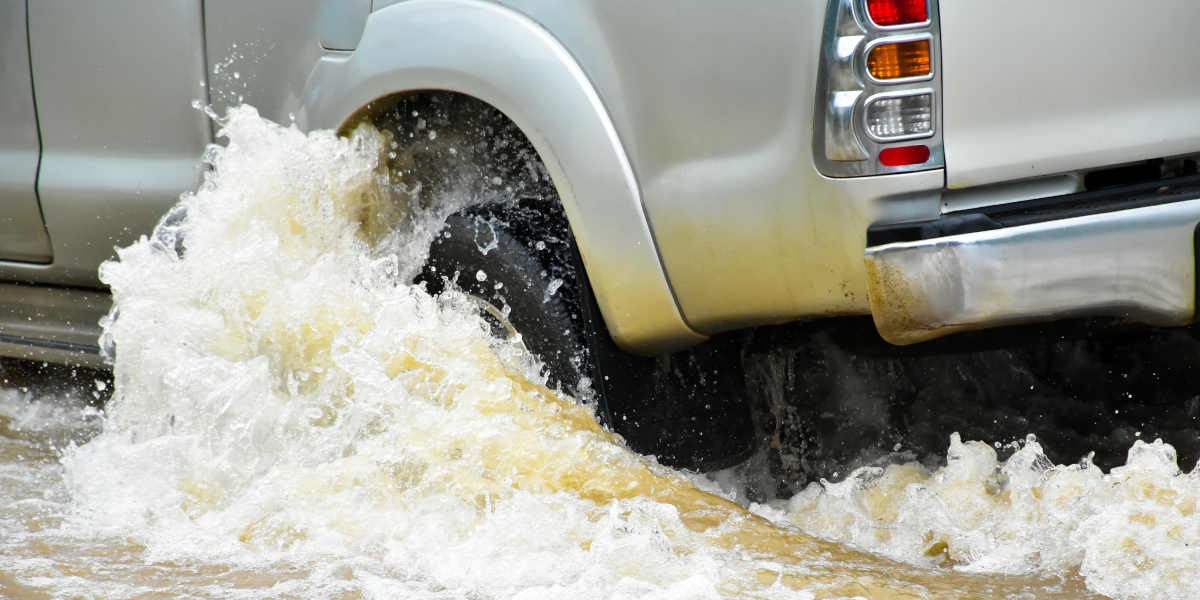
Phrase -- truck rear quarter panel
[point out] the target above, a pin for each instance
(714, 102)
(503, 58)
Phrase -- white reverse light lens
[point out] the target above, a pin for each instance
(900, 117)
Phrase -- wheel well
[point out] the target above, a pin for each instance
(461, 157)
(464, 161)
(593, 186)
(452, 147)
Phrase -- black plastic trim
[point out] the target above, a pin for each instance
(50, 344)
(1039, 210)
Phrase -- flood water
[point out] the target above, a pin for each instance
(288, 420)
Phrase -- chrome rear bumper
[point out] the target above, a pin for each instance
(1134, 263)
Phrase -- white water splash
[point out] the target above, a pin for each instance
(291, 419)
(282, 394)
(491, 244)
(1131, 533)
(551, 289)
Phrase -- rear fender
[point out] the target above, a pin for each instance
(505, 59)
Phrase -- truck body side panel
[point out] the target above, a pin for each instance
(22, 234)
(115, 82)
(1036, 88)
(261, 54)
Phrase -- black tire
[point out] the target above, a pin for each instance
(688, 409)
(512, 257)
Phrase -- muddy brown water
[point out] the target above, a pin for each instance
(50, 553)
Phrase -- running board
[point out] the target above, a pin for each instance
(59, 325)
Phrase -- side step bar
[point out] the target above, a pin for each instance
(1128, 253)
(59, 325)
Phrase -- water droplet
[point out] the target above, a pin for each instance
(551, 289)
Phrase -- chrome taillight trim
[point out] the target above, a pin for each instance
(848, 35)
(841, 143)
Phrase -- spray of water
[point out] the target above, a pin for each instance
(291, 418)
(1131, 533)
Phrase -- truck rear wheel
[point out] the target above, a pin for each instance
(512, 249)
(509, 257)
(687, 409)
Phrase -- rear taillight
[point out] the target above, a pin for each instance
(891, 13)
(879, 89)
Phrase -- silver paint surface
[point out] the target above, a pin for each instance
(714, 102)
(1036, 88)
(22, 235)
(503, 58)
(115, 82)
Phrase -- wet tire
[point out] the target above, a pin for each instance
(688, 409)
(514, 250)
(511, 258)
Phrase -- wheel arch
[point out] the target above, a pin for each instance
(506, 60)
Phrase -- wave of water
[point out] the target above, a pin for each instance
(1130, 533)
(291, 419)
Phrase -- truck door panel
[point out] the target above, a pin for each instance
(115, 82)
(22, 234)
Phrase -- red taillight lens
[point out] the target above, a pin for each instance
(898, 12)
(904, 155)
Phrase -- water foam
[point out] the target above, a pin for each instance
(281, 393)
(1130, 533)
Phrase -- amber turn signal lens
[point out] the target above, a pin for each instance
(899, 60)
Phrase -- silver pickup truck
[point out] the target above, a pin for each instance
(675, 169)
